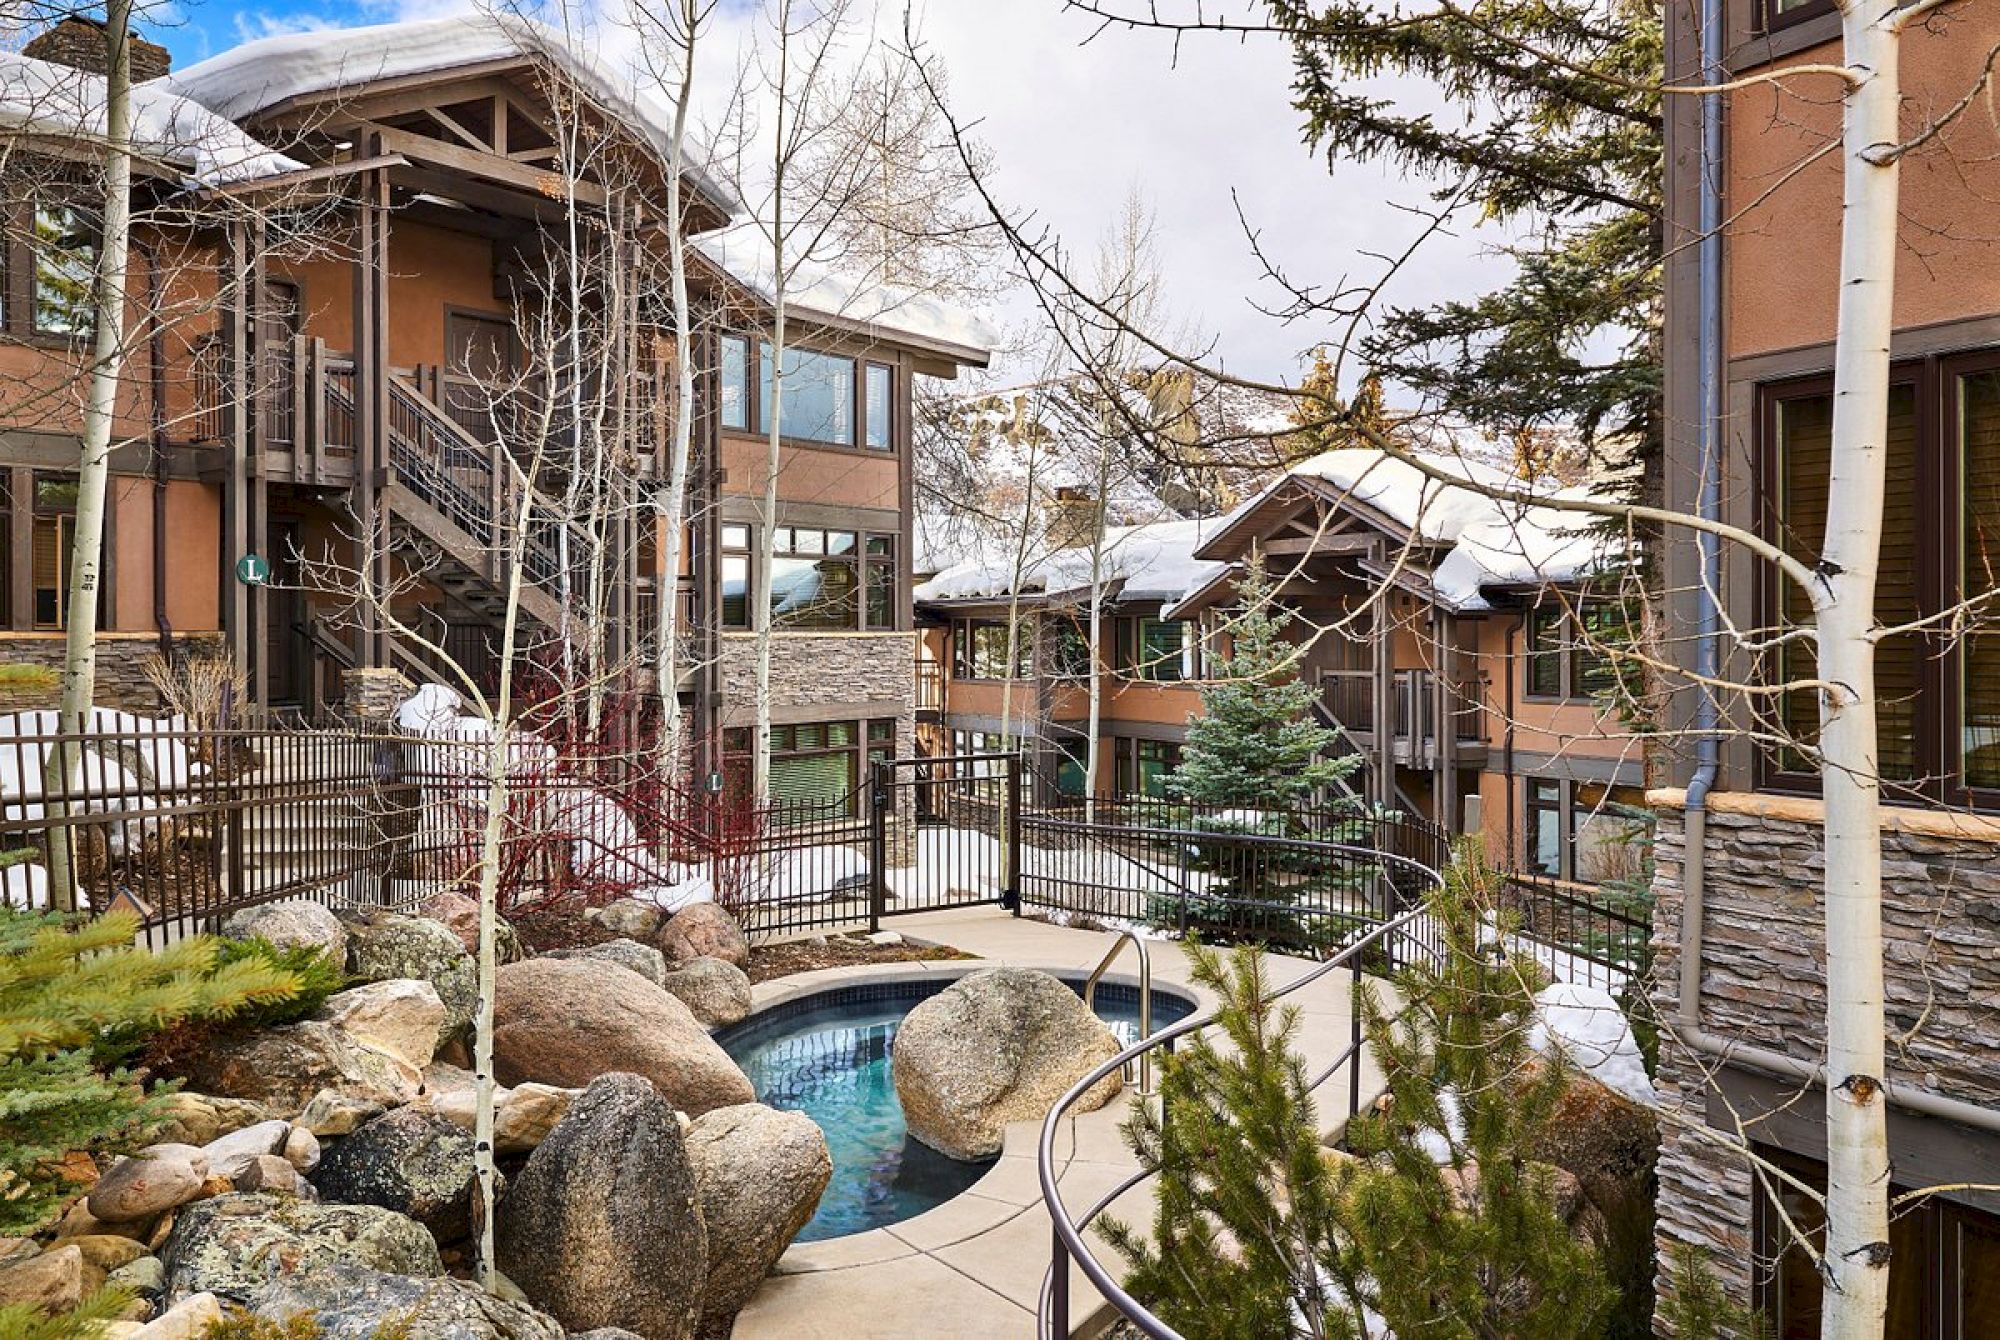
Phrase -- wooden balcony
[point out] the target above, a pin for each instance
(1414, 710)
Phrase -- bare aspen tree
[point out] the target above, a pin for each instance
(79, 683)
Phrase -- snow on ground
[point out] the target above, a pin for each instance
(24, 887)
(1587, 1025)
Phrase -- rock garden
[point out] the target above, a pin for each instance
(317, 1157)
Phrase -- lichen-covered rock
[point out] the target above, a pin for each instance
(564, 1022)
(156, 1178)
(603, 1226)
(354, 1303)
(460, 915)
(704, 930)
(411, 1161)
(627, 917)
(402, 1016)
(385, 946)
(234, 1245)
(760, 1173)
(716, 990)
(197, 1118)
(331, 1112)
(995, 1047)
(290, 924)
(645, 960)
(287, 1066)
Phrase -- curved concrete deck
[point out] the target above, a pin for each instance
(974, 1265)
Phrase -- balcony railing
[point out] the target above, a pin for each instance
(930, 685)
(1413, 704)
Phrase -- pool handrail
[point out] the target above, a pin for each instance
(1052, 1314)
(1128, 936)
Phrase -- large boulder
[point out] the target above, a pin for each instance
(645, 960)
(233, 1245)
(285, 1067)
(603, 1225)
(402, 1016)
(231, 1155)
(715, 990)
(383, 946)
(354, 1303)
(704, 930)
(627, 917)
(760, 1173)
(411, 1161)
(55, 1281)
(197, 1118)
(289, 925)
(564, 1022)
(460, 915)
(995, 1047)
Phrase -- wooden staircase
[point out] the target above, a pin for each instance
(453, 501)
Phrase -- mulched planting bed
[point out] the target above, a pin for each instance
(839, 951)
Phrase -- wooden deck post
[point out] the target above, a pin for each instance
(371, 402)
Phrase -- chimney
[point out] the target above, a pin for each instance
(78, 42)
(1072, 519)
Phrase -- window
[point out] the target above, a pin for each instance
(817, 763)
(1546, 838)
(817, 579)
(979, 650)
(735, 576)
(54, 535)
(1155, 649)
(880, 387)
(1561, 660)
(1581, 831)
(1976, 413)
(735, 382)
(1799, 427)
(878, 582)
(1072, 766)
(1142, 766)
(1069, 646)
(1944, 1260)
(1784, 13)
(65, 268)
(829, 398)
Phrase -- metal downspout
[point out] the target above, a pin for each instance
(1708, 371)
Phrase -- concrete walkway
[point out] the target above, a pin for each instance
(974, 1266)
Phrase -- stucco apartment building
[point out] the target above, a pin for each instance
(1472, 660)
(344, 366)
(1739, 922)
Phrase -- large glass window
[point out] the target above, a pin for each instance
(1155, 649)
(979, 650)
(1802, 428)
(818, 395)
(1546, 837)
(65, 259)
(1564, 654)
(829, 398)
(817, 578)
(815, 763)
(54, 536)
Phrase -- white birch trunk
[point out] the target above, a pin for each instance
(1857, 1198)
(79, 686)
(673, 501)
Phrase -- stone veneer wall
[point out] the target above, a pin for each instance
(832, 671)
(1764, 981)
(121, 657)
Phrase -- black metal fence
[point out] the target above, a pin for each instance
(1579, 932)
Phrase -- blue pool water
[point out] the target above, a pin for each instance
(828, 1056)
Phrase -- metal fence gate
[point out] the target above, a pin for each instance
(944, 833)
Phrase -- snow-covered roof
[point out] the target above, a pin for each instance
(39, 97)
(819, 291)
(1145, 563)
(1489, 544)
(259, 75)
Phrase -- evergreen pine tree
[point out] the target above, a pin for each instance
(1256, 744)
(72, 999)
(1438, 1225)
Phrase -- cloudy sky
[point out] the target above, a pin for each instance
(1074, 125)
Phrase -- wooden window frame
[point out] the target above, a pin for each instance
(1771, 20)
(751, 551)
(1937, 767)
(754, 347)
